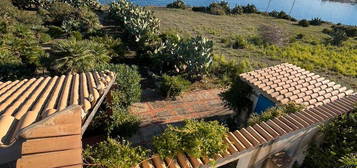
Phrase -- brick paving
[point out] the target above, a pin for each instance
(155, 114)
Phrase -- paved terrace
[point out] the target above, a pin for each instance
(156, 113)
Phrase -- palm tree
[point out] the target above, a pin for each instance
(79, 56)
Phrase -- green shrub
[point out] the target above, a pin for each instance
(56, 32)
(315, 21)
(191, 57)
(250, 9)
(141, 26)
(338, 37)
(172, 86)
(237, 10)
(274, 112)
(349, 159)
(196, 138)
(128, 89)
(70, 18)
(239, 42)
(13, 15)
(229, 70)
(115, 46)
(113, 154)
(274, 13)
(121, 123)
(299, 36)
(44, 38)
(351, 31)
(339, 141)
(199, 9)
(220, 8)
(304, 23)
(236, 97)
(177, 4)
(257, 40)
(30, 4)
(78, 56)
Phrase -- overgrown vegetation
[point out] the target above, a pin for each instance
(196, 138)
(114, 153)
(338, 146)
(172, 86)
(273, 112)
(177, 4)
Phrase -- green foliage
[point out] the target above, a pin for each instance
(199, 9)
(237, 10)
(180, 4)
(78, 56)
(250, 9)
(56, 32)
(128, 89)
(338, 146)
(349, 159)
(115, 46)
(274, 112)
(139, 24)
(20, 52)
(190, 57)
(228, 70)
(315, 21)
(236, 97)
(113, 154)
(70, 18)
(219, 8)
(172, 86)
(196, 138)
(13, 15)
(340, 59)
(338, 37)
(238, 42)
(351, 31)
(304, 23)
(121, 123)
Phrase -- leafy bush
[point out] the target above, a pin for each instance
(229, 70)
(20, 52)
(70, 18)
(30, 4)
(274, 13)
(339, 141)
(220, 8)
(351, 31)
(177, 4)
(338, 37)
(140, 24)
(250, 9)
(237, 10)
(14, 16)
(199, 9)
(128, 89)
(274, 112)
(238, 42)
(115, 46)
(349, 159)
(236, 97)
(121, 123)
(315, 21)
(196, 138)
(304, 23)
(78, 56)
(172, 86)
(190, 57)
(113, 154)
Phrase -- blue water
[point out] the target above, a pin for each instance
(335, 12)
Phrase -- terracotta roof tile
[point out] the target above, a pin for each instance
(30, 100)
(294, 82)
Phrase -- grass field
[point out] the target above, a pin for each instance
(335, 63)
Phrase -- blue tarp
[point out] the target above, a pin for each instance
(263, 104)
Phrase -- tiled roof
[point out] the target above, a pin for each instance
(286, 82)
(262, 133)
(27, 101)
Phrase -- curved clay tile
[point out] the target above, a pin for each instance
(158, 162)
(5, 124)
(16, 99)
(171, 163)
(12, 90)
(46, 92)
(183, 161)
(92, 87)
(8, 85)
(84, 94)
(33, 97)
(54, 97)
(75, 90)
(63, 101)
